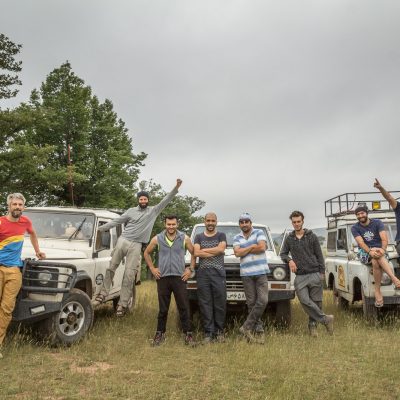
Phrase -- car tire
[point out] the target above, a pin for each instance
(72, 322)
(283, 314)
(369, 310)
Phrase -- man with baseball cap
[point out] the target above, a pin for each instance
(372, 241)
(139, 222)
(250, 245)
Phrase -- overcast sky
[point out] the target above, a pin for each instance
(259, 106)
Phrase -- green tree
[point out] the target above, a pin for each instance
(9, 67)
(64, 114)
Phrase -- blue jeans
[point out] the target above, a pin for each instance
(256, 291)
(211, 294)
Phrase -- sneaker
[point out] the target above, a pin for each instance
(248, 334)
(329, 323)
(313, 330)
(189, 339)
(207, 340)
(159, 338)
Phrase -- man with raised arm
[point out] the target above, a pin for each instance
(139, 222)
(395, 204)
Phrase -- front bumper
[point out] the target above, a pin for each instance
(33, 310)
(273, 296)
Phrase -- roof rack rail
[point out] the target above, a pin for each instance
(346, 203)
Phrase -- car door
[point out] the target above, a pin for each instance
(103, 247)
(342, 261)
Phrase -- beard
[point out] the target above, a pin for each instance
(16, 213)
(143, 206)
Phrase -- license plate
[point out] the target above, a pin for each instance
(235, 296)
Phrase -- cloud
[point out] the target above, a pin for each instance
(258, 105)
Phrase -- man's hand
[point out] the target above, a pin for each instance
(377, 184)
(375, 253)
(322, 276)
(40, 255)
(178, 183)
(380, 252)
(292, 266)
(156, 273)
(186, 275)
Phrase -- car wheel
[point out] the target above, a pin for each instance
(369, 309)
(283, 314)
(71, 323)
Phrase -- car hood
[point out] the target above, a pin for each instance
(55, 254)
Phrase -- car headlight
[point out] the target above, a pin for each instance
(44, 277)
(279, 274)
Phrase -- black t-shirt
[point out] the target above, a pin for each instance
(207, 242)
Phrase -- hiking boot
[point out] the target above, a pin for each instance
(329, 323)
(259, 337)
(159, 338)
(189, 339)
(313, 330)
(248, 334)
(220, 338)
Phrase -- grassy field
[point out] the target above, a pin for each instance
(116, 361)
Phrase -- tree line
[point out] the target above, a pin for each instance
(66, 147)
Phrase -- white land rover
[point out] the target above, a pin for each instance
(280, 280)
(68, 236)
(351, 280)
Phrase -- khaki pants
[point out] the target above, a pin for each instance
(10, 284)
(132, 252)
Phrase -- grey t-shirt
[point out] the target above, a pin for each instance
(210, 242)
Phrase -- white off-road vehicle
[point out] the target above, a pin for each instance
(56, 293)
(351, 280)
(280, 279)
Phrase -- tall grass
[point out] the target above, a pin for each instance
(116, 361)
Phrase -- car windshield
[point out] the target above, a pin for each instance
(391, 231)
(61, 225)
(231, 232)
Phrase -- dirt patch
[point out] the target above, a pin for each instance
(92, 368)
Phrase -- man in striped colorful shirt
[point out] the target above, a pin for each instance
(12, 230)
(250, 245)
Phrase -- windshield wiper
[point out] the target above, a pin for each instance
(77, 230)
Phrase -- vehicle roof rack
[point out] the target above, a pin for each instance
(346, 203)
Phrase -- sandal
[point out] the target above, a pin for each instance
(99, 299)
(378, 304)
(396, 283)
(121, 311)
